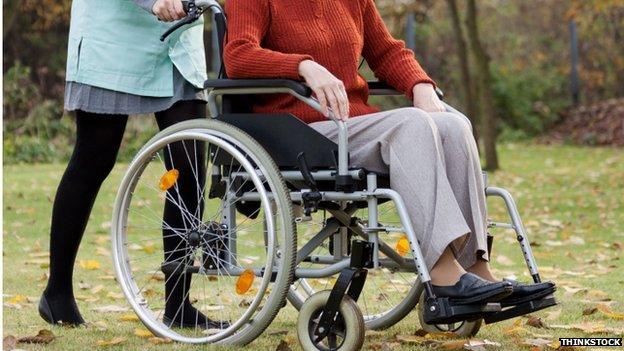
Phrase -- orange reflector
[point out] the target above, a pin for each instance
(403, 246)
(168, 179)
(243, 284)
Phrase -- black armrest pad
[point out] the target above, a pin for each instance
(373, 85)
(297, 87)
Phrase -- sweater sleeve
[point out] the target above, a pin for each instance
(248, 22)
(389, 59)
(146, 5)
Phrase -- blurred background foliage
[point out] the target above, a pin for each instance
(528, 43)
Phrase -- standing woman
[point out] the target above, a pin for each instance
(117, 66)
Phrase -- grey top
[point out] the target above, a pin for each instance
(84, 97)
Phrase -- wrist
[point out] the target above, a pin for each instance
(304, 66)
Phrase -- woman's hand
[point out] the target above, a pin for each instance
(168, 10)
(425, 98)
(327, 88)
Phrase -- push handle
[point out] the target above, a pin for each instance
(193, 13)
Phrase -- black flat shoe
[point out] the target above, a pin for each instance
(472, 289)
(527, 292)
(46, 313)
(208, 324)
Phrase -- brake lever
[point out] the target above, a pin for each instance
(193, 13)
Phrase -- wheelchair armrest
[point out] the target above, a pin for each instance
(381, 88)
(295, 86)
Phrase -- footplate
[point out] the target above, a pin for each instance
(442, 311)
(522, 309)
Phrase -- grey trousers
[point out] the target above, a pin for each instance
(433, 163)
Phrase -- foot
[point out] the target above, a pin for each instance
(190, 317)
(471, 289)
(61, 309)
(482, 269)
(527, 292)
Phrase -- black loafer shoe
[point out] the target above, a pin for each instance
(472, 289)
(527, 292)
(46, 313)
(208, 324)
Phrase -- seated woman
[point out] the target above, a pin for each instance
(430, 155)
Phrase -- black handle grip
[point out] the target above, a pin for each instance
(192, 15)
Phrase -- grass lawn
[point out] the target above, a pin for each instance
(571, 200)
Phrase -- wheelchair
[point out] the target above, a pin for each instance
(279, 216)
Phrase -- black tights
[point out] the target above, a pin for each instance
(97, 144)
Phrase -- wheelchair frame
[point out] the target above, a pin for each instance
(346, 198)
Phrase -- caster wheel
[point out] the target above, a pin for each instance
(464, 329)
(347, 334)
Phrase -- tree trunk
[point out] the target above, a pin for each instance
(468, 86)
(484, 80)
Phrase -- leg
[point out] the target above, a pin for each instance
(406, 144)
(463, 169)
(189, 159)
(97, 143)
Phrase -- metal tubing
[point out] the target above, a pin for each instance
(322, 272)
(518, 227)
(371, 185)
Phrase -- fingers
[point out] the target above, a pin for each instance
(169, 10)
(320, 96)
(343, 101)
(179, 9)
(330, 93)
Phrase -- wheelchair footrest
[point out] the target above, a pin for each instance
(521, 309)
(442, 311)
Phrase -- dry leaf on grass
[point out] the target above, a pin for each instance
(114, 341)
(552, 315)
(283, 346)
(589, 310)
(43, 337)
(99, 325)
(536, 322)
(158, 341)
(606, 310)
(110, 309)
(480, 345)
(129, 317)
(89, 265)
(143, 333)
(9, 342)
(539, 342)
(17, 299)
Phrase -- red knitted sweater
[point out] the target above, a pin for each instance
(269, 38)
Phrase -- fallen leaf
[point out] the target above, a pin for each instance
(536, 342)
(452, 345)
(17, 299)
(89, 265)
(143, 333)
(504, 260)
(43, 337)
(9, 342)
(99, 325)
(606, 310)
(552, 315)
(589, 310)
(480, 345)
(110, 309)
(114, 341)
(129, 317)
(536, 322)
(158, 341)
(84, 286)
(96, 289)
(283, 346)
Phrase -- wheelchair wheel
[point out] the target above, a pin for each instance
(389, 293)
(347, 334)
(227, 247)
(463, 329)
